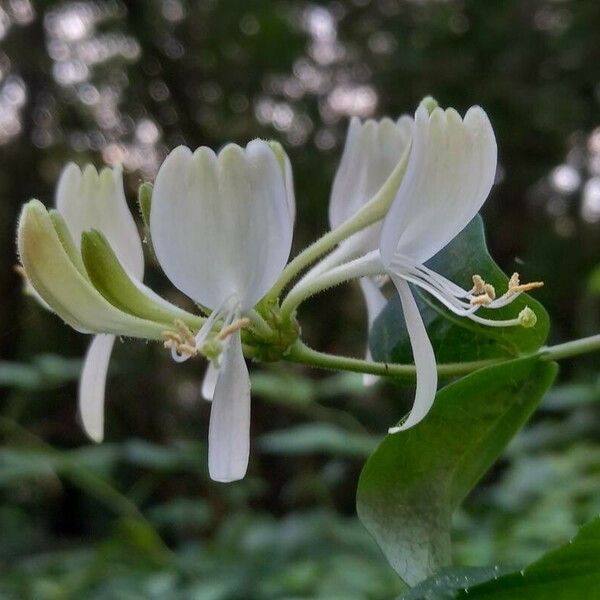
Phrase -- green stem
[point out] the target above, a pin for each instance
(301, 353)
(370, 213)
(570, 349)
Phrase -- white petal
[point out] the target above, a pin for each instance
(286, 167)
(449, 175)
(92, 384)
(222, 226)
(422, 354)
(371, 152)
(375, 302)
(229, 430)
(95, 200)
(209, 383)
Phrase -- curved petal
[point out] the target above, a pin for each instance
(221, 225)
(449, 175)
(371, 153)
(375, 302)
(95, 200)
(92, 384)
(209, 383)
(229, 430)
(422, 354)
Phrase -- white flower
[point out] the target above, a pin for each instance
(450, 172)
(372, 151)
(89, 200)
(221, 227)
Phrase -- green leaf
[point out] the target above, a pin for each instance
(415, 479)
(458, 339)
(571, 572)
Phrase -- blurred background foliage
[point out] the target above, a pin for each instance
(137, 517)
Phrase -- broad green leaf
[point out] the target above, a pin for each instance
(458, 339)
(415, 479)
(571, 572)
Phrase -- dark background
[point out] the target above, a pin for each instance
(126, 82)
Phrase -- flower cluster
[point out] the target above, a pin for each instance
(221, 228)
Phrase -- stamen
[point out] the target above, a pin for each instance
(184, 331)
(232, 328)
(171, 336)
(515, 286)
(181, 342)
(490, 291)
(482, 293)
(481, 300)
(478, 285)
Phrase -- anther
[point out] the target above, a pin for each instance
(181, 341)
(481, 300)
(478, 285)
(184, 331)
(482, 293)
(235, 326)
(515, 286)
(490, 290)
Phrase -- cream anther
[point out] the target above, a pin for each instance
(482, 293)
(180, 340)
(235, 326)
(515, 286)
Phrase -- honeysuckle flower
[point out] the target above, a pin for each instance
(372, 151)
(449, 175)
(221, 227)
